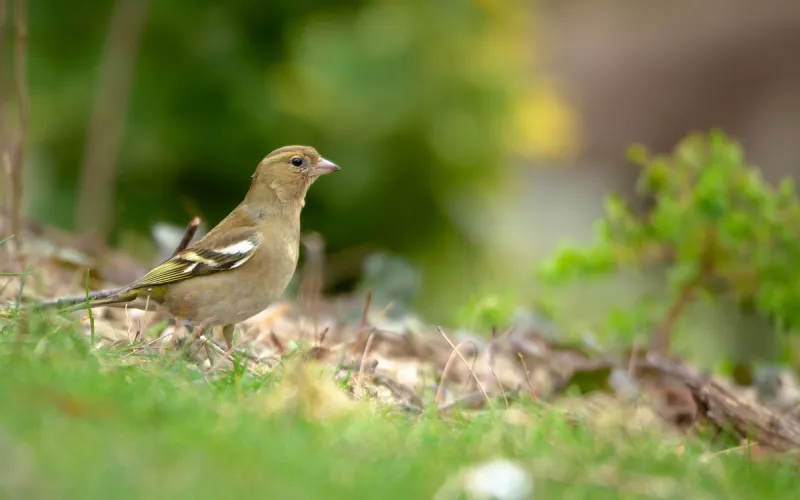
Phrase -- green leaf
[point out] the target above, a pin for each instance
(638, 154)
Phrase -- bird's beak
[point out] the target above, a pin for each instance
(323, 167)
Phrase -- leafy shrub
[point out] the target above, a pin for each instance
(713, 226)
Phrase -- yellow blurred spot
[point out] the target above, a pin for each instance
(546, 125)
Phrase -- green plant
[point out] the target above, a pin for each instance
(487, 312)
(713, 227)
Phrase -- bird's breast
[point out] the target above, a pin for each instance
(230, 297)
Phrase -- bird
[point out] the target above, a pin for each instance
(244, 263)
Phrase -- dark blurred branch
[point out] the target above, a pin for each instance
(188, 234)
(313, 279)
(4, 208)
(18, 153)
(662, 338)
(108, 118)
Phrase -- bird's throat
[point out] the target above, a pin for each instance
(264, 203)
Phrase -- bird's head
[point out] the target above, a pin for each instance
(289, 172)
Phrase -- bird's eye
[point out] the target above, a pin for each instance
(297, 161)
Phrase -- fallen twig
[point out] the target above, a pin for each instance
(439, 329)
(401, 391)
(709, 456)
(473, 400)
(725, 410)
(205, 341)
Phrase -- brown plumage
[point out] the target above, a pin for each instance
(244, 263)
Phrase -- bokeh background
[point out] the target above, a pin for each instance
(474, 135)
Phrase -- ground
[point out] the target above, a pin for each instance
(107, 406)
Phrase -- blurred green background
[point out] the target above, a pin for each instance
(474, 135)
(423, 104)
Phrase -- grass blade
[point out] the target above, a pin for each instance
(21, 289)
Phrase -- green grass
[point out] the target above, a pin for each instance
(82, 424)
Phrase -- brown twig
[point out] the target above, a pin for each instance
(3, 185)
(313, 281)
(323, 335)
(708, 456)
(277, 342)
(633, 357)
(661, 340)
(222, 352)
(107, 124)
(362, 328)
(488, 401)
(446, 372)
(18, 156)
(188, 234)
(470, 400)
(148, 344)
(527, 375)
(2, 37)
(359, 380)
(490, 359)
(209, 355)
(8, 175)
(143, 324)
(130, 325)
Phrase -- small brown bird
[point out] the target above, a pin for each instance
(244, 263)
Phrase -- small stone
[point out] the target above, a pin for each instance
(499, 479)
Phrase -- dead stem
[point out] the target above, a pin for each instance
(7, 178)
(222, 352)
(18, 156)
(107, 124)
(4, 210)
(633, 357)
(488, 401)
(709, 456)
(490, 360)
(362, 327)
(188, 234)
(208, 354)
(527, 376)
(661, 339)
(162, 337)
(277, 342)
(445, 373)
(130, 324)
(312, 284)
(323, 335)
(359, 380)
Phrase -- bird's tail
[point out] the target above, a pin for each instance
(96, 299)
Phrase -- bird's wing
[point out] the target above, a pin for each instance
(214, 253)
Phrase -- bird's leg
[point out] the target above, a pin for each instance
(194, 330)
(200, 329)
(227, 333)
